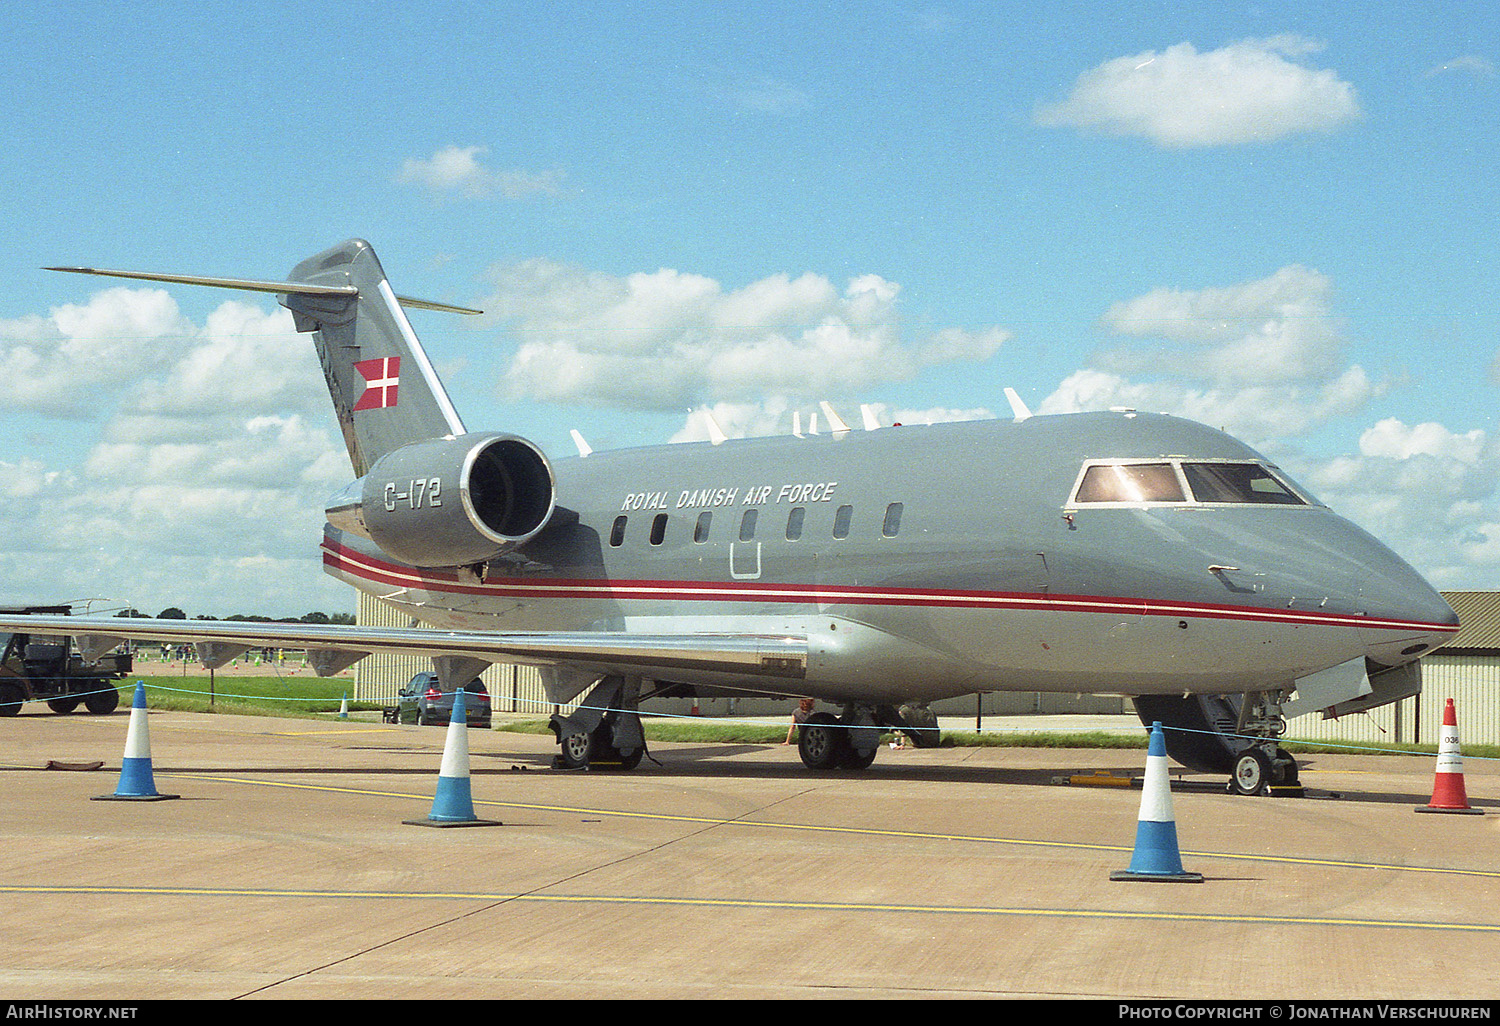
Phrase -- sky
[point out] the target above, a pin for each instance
(1279, 219)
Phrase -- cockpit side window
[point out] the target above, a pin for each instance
(1130, 482)
(1237, 482)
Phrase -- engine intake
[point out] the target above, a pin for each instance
(450, 501)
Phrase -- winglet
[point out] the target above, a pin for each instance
(583, 447)
(835, 422)
(1017, 407)
(716, 434)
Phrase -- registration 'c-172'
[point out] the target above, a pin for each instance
(873, 570)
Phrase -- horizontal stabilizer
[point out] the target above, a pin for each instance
(279, 288)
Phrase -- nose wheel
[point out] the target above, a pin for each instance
(1264, 771)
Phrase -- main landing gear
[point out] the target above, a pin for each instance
(605, 731)
(850, 741)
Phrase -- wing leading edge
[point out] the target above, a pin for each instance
(767, 658)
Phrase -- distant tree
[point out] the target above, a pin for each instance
(171, 613)
(315, 618)
(343, 619)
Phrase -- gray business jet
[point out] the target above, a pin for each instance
(875, 570)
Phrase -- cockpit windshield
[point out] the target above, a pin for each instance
(1182, 482)
(1130, 482)
(1237, 482)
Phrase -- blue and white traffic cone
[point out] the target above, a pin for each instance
(344, 707)
(1156, 857)
(136, 781)
(453, 804)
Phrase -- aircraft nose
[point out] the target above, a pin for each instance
(1419, 604)
(1330, 567)
(1387, 588)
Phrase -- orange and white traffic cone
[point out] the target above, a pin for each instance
(1448, 794)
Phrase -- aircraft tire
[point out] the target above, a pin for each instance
(1252, 773)
(921, 725)
(11, 699)
(573, 751)
(856, 760)
(62, 706)
(603, 755)
(1199, 743)
(821, 742)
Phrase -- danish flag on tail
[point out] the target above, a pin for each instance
(382, 377)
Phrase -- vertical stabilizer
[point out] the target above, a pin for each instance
(384, 389)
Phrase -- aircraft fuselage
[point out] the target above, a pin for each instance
(932, 561)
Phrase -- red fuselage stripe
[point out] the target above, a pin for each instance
(368, 568)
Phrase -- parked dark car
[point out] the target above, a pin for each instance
(422, 701)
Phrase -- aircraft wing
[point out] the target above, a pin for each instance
(717, 658)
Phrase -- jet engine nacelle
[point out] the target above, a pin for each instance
(450, 501)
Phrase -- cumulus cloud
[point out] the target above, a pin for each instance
(1266, 360)
(1251, 91)
(1277, 329)
(1263, 359)
(458, 170)
(213, 438)
(668, 339)
(64, 364)
(1425, 489)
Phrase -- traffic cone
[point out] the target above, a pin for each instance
(453, 805)
(1156, 857)
(136, 781)
(344, 707)
(1448, 794)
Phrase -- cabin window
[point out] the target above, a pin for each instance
(1130, 482)
(700, 529)
(1237, 482)
(659, 529)
(892, 525)
(841, 520)
(794, 521)
(617, 533)
(747, 524)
